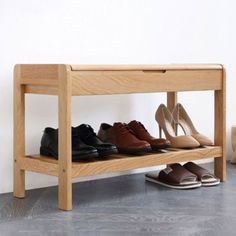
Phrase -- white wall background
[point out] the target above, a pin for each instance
(110, 32)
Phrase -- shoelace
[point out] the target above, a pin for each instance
(142, 126)
(90, 133)
(124, 129)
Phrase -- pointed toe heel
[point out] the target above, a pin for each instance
(165, 120)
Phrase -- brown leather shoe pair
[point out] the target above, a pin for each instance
(131, 138)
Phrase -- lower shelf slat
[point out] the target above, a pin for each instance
(116, 163)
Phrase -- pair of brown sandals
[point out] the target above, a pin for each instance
(188, 176)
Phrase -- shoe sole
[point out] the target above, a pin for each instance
(141, 151)
(211, 184)
(192, 186)
(87, 156)
(157, 148)
(107, 152)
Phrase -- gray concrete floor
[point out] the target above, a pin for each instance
(124, 205)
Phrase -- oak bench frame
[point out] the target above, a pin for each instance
(66, 81)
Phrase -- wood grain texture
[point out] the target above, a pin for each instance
(125, 82)
(68, 80)
(220, 128)
(172, 100)
(118, 162)
(39, 164)
(121, 163)
(19, 135)
(38, 89)
(65, 184)
(39, 74)
(147, 67)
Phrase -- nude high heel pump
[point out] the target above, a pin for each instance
(165, 121)
(182, 118)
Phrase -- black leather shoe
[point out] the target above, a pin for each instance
(80, 151)
(89, 137)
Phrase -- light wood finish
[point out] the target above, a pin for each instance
(39, 164)
(147, 67)
(125, 82)
(128, 163)
(39, 74)
(65, 184)
(65, 81)
(112, 79)
(220, 128)
(171, 103)
(171, 100)
(19, 135)
(119, 162)
(47, 90)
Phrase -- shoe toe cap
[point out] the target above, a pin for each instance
(185, 141)
(202, 139)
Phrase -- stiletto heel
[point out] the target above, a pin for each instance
(165, 121)
(182, 118)
(160, 133)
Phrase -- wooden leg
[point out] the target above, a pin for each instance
(19, 135)
(171, 103)
(220, 131)
(171, 100)
(65, 180)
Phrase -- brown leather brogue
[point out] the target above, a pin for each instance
(142, 134)
(124, 139)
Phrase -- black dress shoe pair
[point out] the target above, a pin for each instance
(85, 144)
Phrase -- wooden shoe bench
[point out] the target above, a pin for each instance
(66, 81)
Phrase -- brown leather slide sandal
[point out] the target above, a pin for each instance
(204, 175)
(174, 176)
